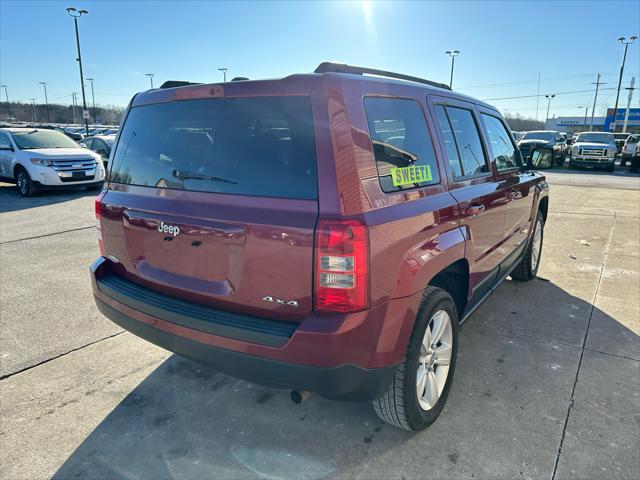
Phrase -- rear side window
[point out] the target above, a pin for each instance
(262, 146)
(467, 141)
(502, 149)
(403, 151)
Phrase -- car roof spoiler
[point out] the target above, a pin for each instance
(329, 67)
(177, 83)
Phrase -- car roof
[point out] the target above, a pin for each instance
(298, 83)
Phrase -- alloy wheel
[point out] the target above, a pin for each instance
(434, 359)
(536, 246)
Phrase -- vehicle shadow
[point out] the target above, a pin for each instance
(186, 420)
(11, 200)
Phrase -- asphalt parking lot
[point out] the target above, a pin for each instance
(547, 383)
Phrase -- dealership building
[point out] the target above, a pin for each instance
(602, 124)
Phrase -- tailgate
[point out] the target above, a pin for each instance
(214, 201)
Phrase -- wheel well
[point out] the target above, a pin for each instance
(455, 280)
(16, 168)
(543, 206)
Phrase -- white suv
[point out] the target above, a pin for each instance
(38, 159)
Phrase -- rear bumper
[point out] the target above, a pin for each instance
(344, 357)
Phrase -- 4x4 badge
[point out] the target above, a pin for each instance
(290, 303)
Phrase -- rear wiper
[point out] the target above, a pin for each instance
(182, 175)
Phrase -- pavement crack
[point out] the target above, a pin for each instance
(46, 235)
(584, 342)
(25, 369)
(612, 354)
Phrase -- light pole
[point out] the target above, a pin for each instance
(74, 104)
(150, 75)
(586, 112)
(626, 44)
(93, 99)
(77, 14)
(46, 100)
(548, 97)
(33, 103)
(7, 96)
(224, 74)
(453, 54)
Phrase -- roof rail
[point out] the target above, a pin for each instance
(177, 83)
(327, 67)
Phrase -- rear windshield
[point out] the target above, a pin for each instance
(244, 146)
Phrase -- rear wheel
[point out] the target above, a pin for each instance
(26, 186)
(422, 382)
(527, 269)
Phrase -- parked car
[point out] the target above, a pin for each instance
(101, 144)
(517, 135)
(40, 159)
(631, 152)
(620, 138)
(402, 227)
(543, 139)
(594, 149)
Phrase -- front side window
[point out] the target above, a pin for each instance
(467, 141)
(502, 149)
(403, 151)
(4, 139)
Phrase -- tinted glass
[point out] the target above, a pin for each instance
(261, 146)
(502, 149)
(595, 137)
(449, 141)
(4, 139)
(29, 140)
(468, 141)
(546, 136)
(87, 142)
(401, 143)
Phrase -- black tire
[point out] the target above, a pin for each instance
(95, 188)
(623, 162)
(399, 406)
(26, 186)
(610, 168)
(527, 269)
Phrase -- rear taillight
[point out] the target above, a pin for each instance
(342, 265)
(98, 206)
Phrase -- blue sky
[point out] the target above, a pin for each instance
(504, 45)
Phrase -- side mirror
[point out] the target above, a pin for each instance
(541, 158)
(6, 146)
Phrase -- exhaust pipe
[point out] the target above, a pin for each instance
(298, 397)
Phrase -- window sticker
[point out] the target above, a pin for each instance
(411, 175)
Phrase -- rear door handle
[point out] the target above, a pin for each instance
(474, 210)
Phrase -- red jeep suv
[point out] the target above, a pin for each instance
(323, 232)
